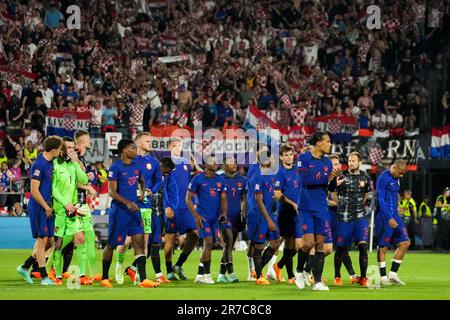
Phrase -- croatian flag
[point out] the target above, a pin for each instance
(63, 123)
(267, 130)
(440, 142)
(341, 128)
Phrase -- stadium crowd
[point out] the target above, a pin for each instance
(137, 63)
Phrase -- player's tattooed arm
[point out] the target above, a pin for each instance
(262, 208)
(116, 196)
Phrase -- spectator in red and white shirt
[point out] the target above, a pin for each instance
(365, 101)
(137, 112)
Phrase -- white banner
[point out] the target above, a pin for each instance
(171, 59)
(98, 152)
(112, 139)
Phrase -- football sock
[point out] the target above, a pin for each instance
(29, 262)
(382, 266)
(201, 269)
(43, 272)
(57, 263)
(230, 267)
(120, 258)
(363, 259)
(287, 255)
(309, 263)
(181, 259)
(301, 260)
(257, 259)
(347, 261)
(49, 263)
(319, 260)
(80, 252)
(67, 252)
(89, 241)
(251, 264)
(156, 260)
(338, 261)
(395, 265)
(223, 267)
(140, 262)
(290, 266)
(105, 270)
(169, 267)
(267, 255)
(207, 266)
(35, 266)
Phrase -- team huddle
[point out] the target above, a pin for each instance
(308, 203)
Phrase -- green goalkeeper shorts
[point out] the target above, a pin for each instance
(147, 220)
(65, 226)
(86, 220)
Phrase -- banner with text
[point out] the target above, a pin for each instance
(63, 123)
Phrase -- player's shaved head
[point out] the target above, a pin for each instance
(143, 142)
(398, 169)
(141, 135)
(80, 133)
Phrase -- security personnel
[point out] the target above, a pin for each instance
(442, 214)
(409, 215)
(427, 222)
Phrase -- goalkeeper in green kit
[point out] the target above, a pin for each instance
(84, 143)
(68, 174)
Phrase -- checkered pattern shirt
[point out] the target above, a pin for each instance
(363, 50)
(197, 116)
(351, 196)
(138, 113)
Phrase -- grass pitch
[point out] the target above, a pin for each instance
(427, 276)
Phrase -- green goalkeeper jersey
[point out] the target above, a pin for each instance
(66, 176)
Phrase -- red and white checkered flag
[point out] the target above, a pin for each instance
(262, 124)
(105, 63)
(69, 121)
(93, 202)
(376, 155)
(58, 32)
(334, 126)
